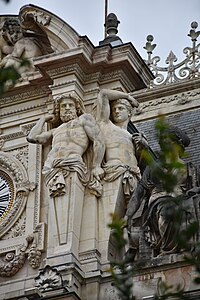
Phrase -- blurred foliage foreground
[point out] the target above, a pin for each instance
(123, 270)
(9, 76)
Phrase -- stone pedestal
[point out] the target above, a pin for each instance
(89, 247)
(112, 201)
(64, 220)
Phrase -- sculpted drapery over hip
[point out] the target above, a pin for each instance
(70, 142)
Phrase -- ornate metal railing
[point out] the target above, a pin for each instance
(186, 69)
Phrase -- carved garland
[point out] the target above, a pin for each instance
(13, 262)
(17, 173)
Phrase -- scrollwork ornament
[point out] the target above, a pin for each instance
(34, 255)
(13, 262)
(175, 72)
(18, 175)
(48, 279)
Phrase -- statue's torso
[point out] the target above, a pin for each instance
(69, 140)
(119, 146)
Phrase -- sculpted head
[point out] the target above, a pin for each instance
(68, 107)
(121, 110)
(175, 135)
(12, 31)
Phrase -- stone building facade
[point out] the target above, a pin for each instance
(54, 249)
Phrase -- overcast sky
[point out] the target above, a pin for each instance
(167, 20)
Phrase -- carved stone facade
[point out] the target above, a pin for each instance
(54, 210)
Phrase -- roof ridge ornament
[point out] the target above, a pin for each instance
(111, 25)
(186, 69)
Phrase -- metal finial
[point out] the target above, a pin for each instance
(194, 25)
(149, 46)
(193, 33)
(111, 24)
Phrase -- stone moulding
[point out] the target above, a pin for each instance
(16, 171)
(177, 99)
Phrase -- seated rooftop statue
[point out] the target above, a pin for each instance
(160, 209)
(22, 38)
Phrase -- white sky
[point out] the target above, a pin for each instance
(167, 20)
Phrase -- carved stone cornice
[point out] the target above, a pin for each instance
(24, 96)
(89, 255)
(180, 97)
(20, 110)
(85, 58)
(15, 135)
(145, 95)
(101, 76)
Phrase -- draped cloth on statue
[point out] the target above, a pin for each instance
(129, 179)
(61, 168)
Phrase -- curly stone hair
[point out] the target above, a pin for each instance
(78, 104)
(125, 102)
(8, 27)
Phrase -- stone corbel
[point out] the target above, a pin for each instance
(13, 262)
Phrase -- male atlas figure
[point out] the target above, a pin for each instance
(69, 142)
(114, 111)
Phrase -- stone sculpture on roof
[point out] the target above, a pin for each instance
(22, 38)
(157, 211)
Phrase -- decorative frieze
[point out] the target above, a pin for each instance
(25, 96)
(177, 99)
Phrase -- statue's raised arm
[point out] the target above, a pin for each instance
(103, 102)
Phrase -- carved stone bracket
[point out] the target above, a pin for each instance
(13, 262)
(48, 279)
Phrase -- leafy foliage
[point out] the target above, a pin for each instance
(10, 75)
(166, 169)
(121, 271)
